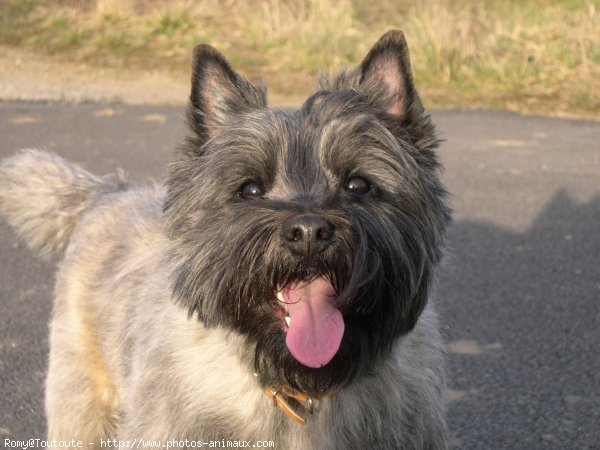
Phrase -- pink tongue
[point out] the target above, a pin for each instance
(316, 325)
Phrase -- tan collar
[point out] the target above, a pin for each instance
(296, 405)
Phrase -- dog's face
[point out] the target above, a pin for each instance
(313, 234)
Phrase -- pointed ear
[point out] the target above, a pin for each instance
(388, 64)
(218, 93)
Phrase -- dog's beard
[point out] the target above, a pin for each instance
(378, 282)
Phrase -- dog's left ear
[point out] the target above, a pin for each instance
(388, 64)
(218, 93)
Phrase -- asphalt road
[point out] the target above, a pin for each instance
(519, 293)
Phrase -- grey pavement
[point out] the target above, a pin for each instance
(519, 293)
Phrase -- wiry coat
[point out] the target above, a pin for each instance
(163, 325)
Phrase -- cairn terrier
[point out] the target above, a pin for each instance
(275, 287)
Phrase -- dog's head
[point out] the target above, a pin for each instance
(313, 234)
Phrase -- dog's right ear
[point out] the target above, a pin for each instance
(218, 93)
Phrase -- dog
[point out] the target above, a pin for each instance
(274, 288)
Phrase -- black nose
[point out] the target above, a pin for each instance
(307, 234)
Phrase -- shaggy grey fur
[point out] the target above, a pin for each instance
(165, 323)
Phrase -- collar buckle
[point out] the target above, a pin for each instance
(296, 405)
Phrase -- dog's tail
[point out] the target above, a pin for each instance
(43, 196)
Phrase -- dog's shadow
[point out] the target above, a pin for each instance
(522, 316)
(521, 313)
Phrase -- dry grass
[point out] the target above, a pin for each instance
(531, 56)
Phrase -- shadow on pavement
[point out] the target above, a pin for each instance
(522, 316)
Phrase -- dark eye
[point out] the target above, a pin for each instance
(357, 185)
(251, 189)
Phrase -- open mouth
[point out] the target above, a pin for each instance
(313, 324)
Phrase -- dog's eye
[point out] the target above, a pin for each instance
(357, 185)
(251, 189)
